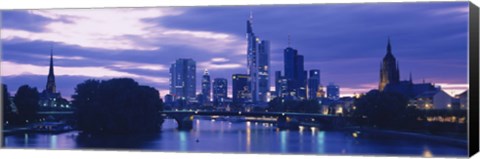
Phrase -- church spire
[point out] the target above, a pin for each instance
(51, 86)
(389, 46)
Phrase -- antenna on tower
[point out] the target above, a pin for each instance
(251, 14)
(289, 40)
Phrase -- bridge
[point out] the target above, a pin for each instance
(284, 120)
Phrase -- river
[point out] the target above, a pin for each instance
(240, 137)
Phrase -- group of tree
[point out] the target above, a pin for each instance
(304, 106)
(118, 105)
(385, 110)
(26, 104)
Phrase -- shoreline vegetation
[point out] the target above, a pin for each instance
(121, 107)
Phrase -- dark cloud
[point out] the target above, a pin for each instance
(23, 20)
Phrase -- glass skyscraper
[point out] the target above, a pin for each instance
(182, 79)
(220, 90)
(313, 84)
(206, 86)
(295, 73)
(240, 92)
(333, 91)
(258, 65)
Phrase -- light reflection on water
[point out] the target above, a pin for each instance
(225, 136)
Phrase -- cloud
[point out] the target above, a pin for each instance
(121, 29)
(213, 66)
(144, 66)
(16, 69)
(220, 59)
(24, 20)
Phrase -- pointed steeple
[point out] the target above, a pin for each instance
(51, 86)
(389, 46)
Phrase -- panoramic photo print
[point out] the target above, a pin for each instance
(320, 79)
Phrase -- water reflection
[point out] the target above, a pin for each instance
(427, 152)
(26, 139)
(239, 137)
(249, 137)
(183, 140)
(320, 142)
(53, 142)
(283, 141)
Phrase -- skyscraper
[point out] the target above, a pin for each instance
(258, 65)
(295, 73)
(333, 91)
(240, 92)
(313, 84)
(182, 79)
(263, 70)
(220, 90)
(389, 71)
(252, 69)
(206, 86)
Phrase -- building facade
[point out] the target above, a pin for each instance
(206, 86)
(182, 79)
(295, 73)
(333, 91)
(313, 84)
(220, 91)
(240, 93)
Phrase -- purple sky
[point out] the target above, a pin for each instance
(345, 41)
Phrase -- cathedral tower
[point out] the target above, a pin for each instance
(389, 71)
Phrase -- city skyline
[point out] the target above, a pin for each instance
(222, 50)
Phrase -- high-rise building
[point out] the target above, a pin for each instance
(263, 70)
(313, 84)
(206, 86)
(389, 71)
(220, 90)
(295, 73)
(182, 79)
(240, 92)
(333, 91)
(258, 65)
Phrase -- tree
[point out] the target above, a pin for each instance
(276, 105)
(383, 109)
(8, 115)
(309, 106)
(117, 106)
(26, 100)
(6, 101)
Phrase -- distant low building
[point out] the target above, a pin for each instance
(463, 100)
(437, 99)
(333, 91)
